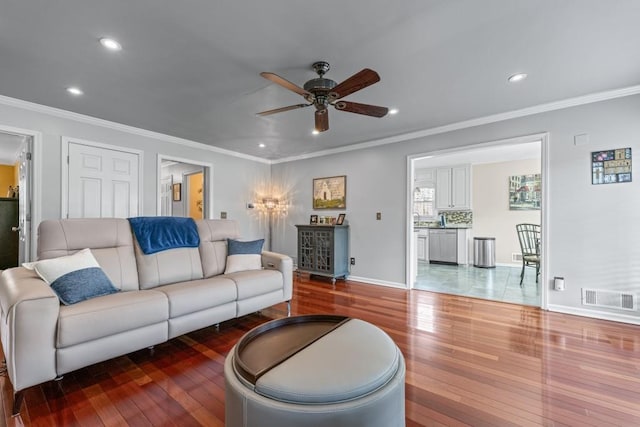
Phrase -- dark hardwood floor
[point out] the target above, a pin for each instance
(469, 362)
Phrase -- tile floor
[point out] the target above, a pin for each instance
(498, 284)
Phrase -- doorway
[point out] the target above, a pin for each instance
(184, 188)
(485, 212)
(19, 194)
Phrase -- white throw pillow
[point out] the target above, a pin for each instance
(243, 256)
(74, 278)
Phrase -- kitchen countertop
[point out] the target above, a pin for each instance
(422, 227)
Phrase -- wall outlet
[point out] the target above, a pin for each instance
(223, 215)
(353, 261)
(378, 216)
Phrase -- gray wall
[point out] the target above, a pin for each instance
(593, 230)
(234, 178)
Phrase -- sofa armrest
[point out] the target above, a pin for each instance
(284, 264)
(27, 327)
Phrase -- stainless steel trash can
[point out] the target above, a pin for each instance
(484, 252)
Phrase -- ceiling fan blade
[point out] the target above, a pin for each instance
(366, 109)
(285, 83)
(358, 81)
(322, 120)
(280, 110)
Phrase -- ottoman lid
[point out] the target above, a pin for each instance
(350, 361)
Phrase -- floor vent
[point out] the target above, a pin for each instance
(609, 299)
(516, 257)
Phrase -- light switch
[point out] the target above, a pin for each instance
(378, 216)
(223, 215)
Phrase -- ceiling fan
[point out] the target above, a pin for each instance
(322, 92)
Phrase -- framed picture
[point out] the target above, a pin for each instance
(611, 166)
(524, 192)
(340, 220)
(330, 192)
(314, 219)
(177, 192)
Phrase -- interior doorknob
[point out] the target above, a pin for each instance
(15, 229)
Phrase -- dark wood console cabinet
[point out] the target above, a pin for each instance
(324, 250)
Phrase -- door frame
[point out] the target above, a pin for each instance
(35, 177)
(208, 181)
(64, 161)
(410, 268)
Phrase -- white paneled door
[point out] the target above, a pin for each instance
(24, 204)
(103, 182)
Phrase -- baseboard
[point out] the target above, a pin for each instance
(377, 282)
(594, 314)
(506, 264)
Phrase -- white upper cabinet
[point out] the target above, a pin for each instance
(453, 187)
(425, 175)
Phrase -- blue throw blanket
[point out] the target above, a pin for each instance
(159, 233)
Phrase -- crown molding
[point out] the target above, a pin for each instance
(529, 111)
(64, 114)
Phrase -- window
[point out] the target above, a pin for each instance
(424, 202)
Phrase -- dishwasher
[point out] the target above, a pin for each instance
(443, 246)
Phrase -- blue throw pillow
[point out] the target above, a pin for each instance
(74, 278)
(81, 285)
(242, 256)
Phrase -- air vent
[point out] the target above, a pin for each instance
(516, 257)
(609, 299)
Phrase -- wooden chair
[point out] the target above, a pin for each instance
(529, 237)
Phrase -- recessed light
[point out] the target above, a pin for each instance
(110, 44)
(75, 91)
(262, 145)
(393, 111)
(517, 77)
(315, 132)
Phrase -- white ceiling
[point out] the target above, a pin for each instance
(191, 69)
(481, 155)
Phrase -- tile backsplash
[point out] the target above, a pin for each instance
(458, 217)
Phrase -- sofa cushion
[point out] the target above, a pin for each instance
(74, 278)
(190, 297)
(109, 239)
(256, 282)
(242, 256)
(110, 315)
(213, 243)
(170, 266)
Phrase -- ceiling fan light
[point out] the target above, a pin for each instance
(393, 111)
(315, 132)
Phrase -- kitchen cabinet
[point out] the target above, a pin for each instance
(448, 246)
(324, 250)
(422, 246)
(453, 187)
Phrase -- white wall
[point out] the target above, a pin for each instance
(234, 177)
(593, 230)
(491, 214)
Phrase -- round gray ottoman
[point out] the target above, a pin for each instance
(312, 371)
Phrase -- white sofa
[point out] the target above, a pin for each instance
(161, 296)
